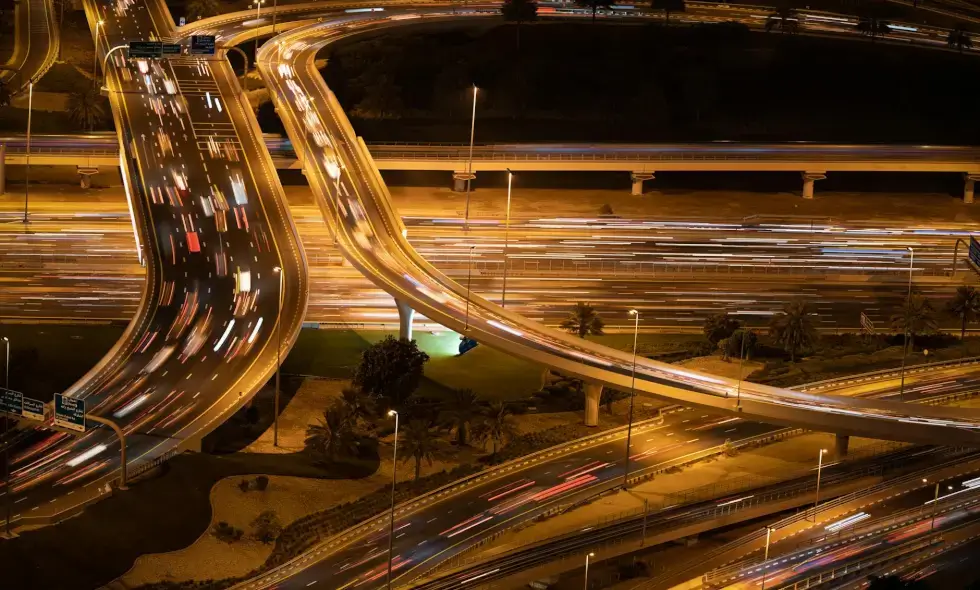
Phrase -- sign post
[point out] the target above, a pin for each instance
(69, 413)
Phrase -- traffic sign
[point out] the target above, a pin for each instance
(33, 409)
(183, 21)
(146, 49)
(69, 412)
(171, 49)
(11, 401)
(974, 251)
(202, 45)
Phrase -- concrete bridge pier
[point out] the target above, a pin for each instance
(85, 174)
(460, 178)
(840, 445)
(637, 178)
(545, 377)
(808, 179)
(593, 393)
(969, 180)
(3, 168)
(405, 316)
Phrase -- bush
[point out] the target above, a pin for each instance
(226, 533)
(266, 527)
(261, 483)
(606, 210)
(244, 485)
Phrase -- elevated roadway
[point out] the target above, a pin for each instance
(356, 205)
(35, 46)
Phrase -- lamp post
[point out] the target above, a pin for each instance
(769, 530)
(6, 447)
(391, 518)
(588, 556)
(503, 295)
(258, 15)
(27, 174)
(95, 54)
(275, 10)
(741, 357)
(469, 282)
(275, 409)
(469, 167)
(908, 307)
(816, 500)
(629, 425)
(6, 364)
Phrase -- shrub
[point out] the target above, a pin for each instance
(261, 483)
(266, 527)
(244, 485)
(226, 533)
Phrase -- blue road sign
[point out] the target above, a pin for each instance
(974, 251)
(171, 49)
(11, 401)
(146, 49)
(202, 45)
(33, 409)
(69, 412)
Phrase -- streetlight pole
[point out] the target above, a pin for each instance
(27, 174)
(629, 425)
(6, 364)
(275, 11)
(816, 500)
(766, 558)
(258, 15)
(469, 168)
(741, 357)
(503, 296)
(95, 54)
(275, 418)
(469, 283)
(589, 556)
(391, 518)
(905, 340)
(6, 445)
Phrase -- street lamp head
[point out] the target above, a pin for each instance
(276, 269)
(404, 232)
(100, 23)
(634, 312)
(392, 413)
(822, 451)
(924, 480)
(591, 554)
(5, 339)
(909, 248)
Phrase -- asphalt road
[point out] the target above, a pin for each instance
(37, 32)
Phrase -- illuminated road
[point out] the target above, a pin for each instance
(206, 200)
(38, 37)
(79, 262)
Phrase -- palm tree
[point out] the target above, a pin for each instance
(594, 5)
(583, 321)
(461, 408)
(917, 317)
(520, 12)
(85, 107)
(332, 436)
(359, 405)
(965, 305)
(873, 26)
(197, 9)
(719, 326)
(959, 40)
(419, 444)
(792, 328)
(668, 6)
(785, 19)
(496, 427)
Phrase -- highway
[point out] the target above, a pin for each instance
(36, 47)
(208, 207)
(436, 532)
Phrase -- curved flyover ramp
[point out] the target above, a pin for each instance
(211, 217)
(355, 203)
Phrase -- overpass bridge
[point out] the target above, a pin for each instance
(642, 161)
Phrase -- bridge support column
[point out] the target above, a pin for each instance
(405, 316)
(85, 174)
(969, 180)
(808, 179)
(840, 445)
(593, 393)
(3, 168)
(545, 377)
(637, 178)
(459, 181)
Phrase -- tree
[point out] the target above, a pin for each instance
(719, 326)
(333, 436)
(198, 9)
(390, 369)
(873, 26)
(359, 405)
(792, 328)
(594, 6)
(895, 583)
(266, 527)
(4, 95)
(959, 40)
(965, 305)
(85, 107)
(495, 427)
(583, 321)
(785, 19)
(460, 409)
(917, 317)
(668, 6)
(735, 346)
(520, 12)
(418, 443)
